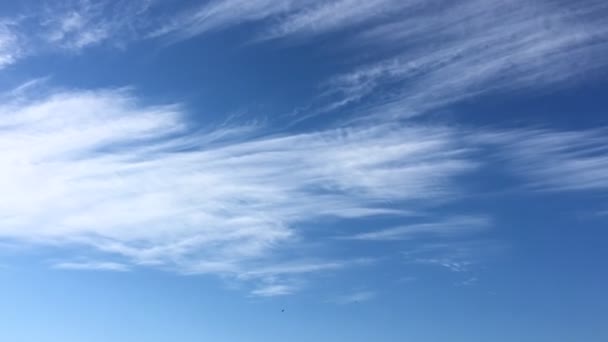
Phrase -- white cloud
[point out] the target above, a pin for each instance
(99, 169)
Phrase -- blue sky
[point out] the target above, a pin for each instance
(261, 170)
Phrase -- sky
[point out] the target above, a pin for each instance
(303, 170)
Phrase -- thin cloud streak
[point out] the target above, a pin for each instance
(92, 266)
(356, 297)
(458, 256)
(273, 291)
(222, 14)
(455, 226)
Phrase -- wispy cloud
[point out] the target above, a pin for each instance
(459, 256)
(75, 25)
(444, 54)
(556, 160)
(92, 266)
(469, 282)
(455, 226)
(99, 169)
(276, 278)
(280, 19)
(424, 55)
(11, 47)
(299, 268)
(356, 297)
(449, 263)
(132, 182)
(273, 290)
(221, 14)
(330, 16)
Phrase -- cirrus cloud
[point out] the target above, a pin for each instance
(102, 170)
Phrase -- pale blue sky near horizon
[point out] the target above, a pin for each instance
(327, 170)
